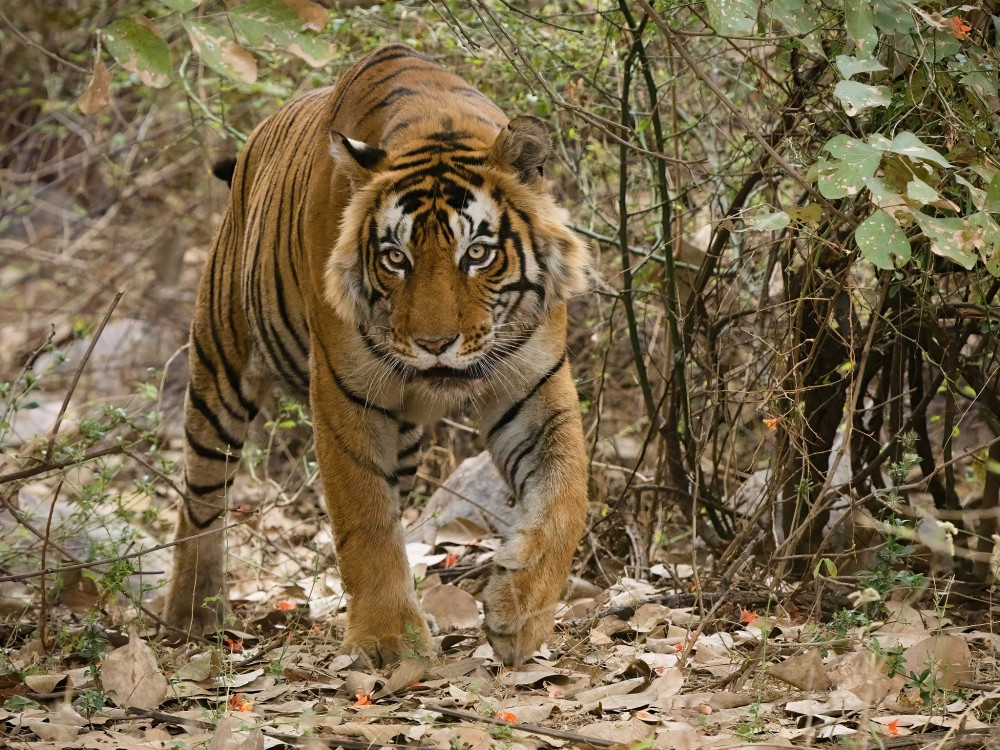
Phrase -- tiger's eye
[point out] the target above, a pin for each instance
(397, 257)
(476, 252)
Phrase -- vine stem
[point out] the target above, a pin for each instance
(626, 295)
(43, 614)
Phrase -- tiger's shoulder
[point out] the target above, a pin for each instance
(395, 95)
(389, 98)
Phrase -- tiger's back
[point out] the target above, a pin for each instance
(388, 251)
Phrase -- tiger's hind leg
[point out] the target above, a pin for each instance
(224, 393)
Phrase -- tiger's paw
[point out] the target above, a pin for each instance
(513, 645)
(388, 645)
(518, 615)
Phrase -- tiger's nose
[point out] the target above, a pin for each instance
(436, 345)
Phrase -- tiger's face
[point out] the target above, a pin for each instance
(450, 256)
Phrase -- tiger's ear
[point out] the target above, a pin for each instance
(359, 160)
(522, 146)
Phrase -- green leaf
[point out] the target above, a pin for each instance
(920, 191)
(851, 66)
(894, 16)
(857, 161)
(953, 238)
(826, 562)
(857, 97)
(989, 250)
(860, 22)
(799, 20)
(981, 84)
(943, 44)
(882, 192)
(811, 213)
(139, 50)
(907, 144)
(993, 194)
(182, 5)
(732, 17)
(219, 52)
(767, 222)
(272, 23)
(880, 240)
(978, 195)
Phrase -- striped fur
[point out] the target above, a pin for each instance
(389, 252)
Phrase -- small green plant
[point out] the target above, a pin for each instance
(750, 730)
(504, 734)
(486, 707)
(927, 686)
(845, 619)
(91, 701)
(414, 634)
(18, 703)
(893, 657)
(889, 572)
(91, 643)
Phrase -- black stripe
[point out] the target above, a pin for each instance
(519, 492)
(386, 54)
(209, 365)
(435, 148)
(543, 437)
(529, 444)
(348, 393)
(407, 472)
(400, 92)
(202, 524)
(397, 72)
(523, 285)
(512, 412)
(408, 451)
(370, 466)
(195, 399)
(216, 454)
(399, 126)
(204, 489)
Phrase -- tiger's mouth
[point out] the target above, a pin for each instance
(444, 373)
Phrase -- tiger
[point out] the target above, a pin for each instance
(389, 252)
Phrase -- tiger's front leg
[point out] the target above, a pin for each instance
(537, 444)
(364, 453)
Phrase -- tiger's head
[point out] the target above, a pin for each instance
(451, 250)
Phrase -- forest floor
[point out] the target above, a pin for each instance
(681, 658)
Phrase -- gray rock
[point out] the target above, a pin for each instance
(476, 492)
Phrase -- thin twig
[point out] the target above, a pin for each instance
(27, 40)
(558, 733)
(645, 254)
(606, 126)
(45, 467)
(79, 371)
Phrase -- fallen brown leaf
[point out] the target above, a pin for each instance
(451, 607)
(133, 677)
